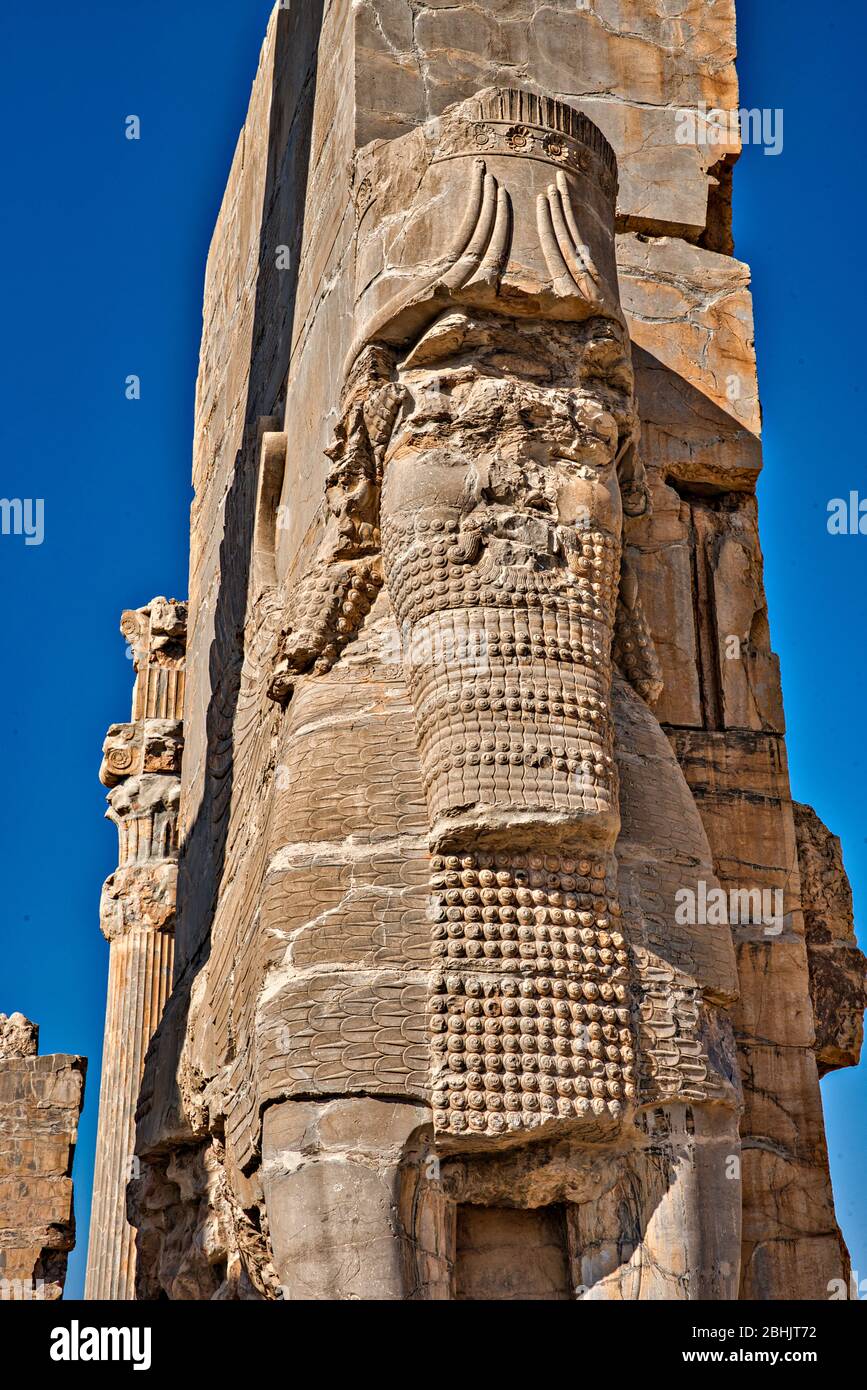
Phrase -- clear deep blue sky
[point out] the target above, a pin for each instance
(103, 242)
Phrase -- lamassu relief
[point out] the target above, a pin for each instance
(471, 518)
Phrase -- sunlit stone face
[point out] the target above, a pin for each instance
(515, 421)
(501, 522)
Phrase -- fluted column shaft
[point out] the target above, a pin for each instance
(141, 764)
(139, 981)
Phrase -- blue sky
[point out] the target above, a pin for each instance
(104, 241)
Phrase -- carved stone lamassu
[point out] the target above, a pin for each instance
(444, 1022)
(485, 459)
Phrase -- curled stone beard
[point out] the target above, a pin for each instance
(510, 673)
(509, 668)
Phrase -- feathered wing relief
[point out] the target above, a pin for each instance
(633, 650)
(481, 470)
(330, 603)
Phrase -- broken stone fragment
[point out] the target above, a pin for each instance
(150, 745)
(838, 968)
(18, 1036)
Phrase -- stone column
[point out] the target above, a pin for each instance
(141, 765)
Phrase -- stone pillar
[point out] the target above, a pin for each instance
(141, 765)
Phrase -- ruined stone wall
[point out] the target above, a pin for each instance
(278, 323)
(40, 1102)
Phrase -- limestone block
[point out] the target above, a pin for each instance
(330, 1182)
(40, 1102)
(774, 1007)
(810, 1265)
(740, 782)
(632, 70)
(838, 983)
(511, 1254)
(690, 310)
(18, 1036)
(707, 610)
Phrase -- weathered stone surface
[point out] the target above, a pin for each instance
(740, 781)
(18, 1036)
(141, 764)
(483, 710)
(631, 67)
(40, 1102)
(838, 969)
(690, 309)
(196, 1241)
